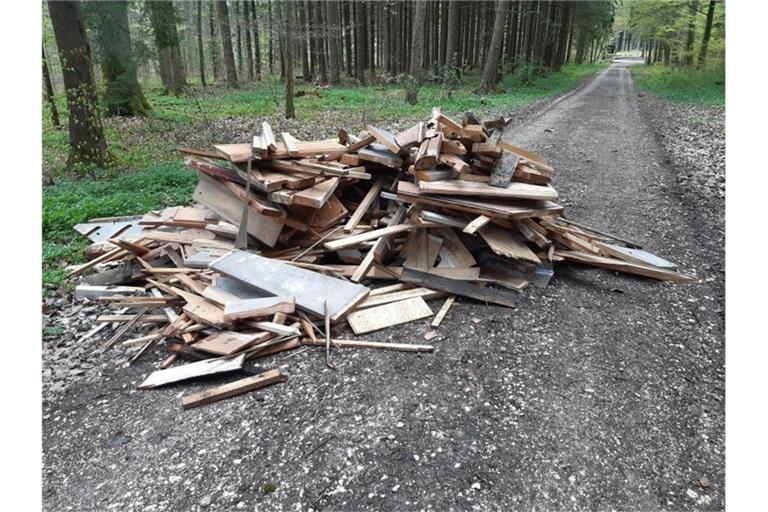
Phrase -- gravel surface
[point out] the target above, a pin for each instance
(600, 392)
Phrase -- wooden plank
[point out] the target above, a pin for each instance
(385, 137)
(387, 315)
(502, 242)
(191, 371)
(460, 255)
(225, 343)
(633, 255)
(443, 311)
(378, 250)
(534, 159)
(317, 196)
(411, 137)
(423, 250)
(515, 190)
(624, 266)
(501, 176)
(251, 308)
(393, 273)
(386, 158)
(397, 347)
(309, 288)
(86, 291)
(476, 224)
(453, 161)
(429, 151)
(407, 191)
(232, 389)
(452, 147)
(269, 137)
(370, 196)
(218, 198)
(290, 143)
(457, 287)
(354, 240)
(386, 298)
(486, 149)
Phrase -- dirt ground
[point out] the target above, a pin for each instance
(599, 392)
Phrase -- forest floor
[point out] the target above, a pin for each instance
(602, 391)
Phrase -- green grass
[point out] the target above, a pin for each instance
(148, 174)
(705, 87)
(70, 202)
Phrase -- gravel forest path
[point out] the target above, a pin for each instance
(599, 392)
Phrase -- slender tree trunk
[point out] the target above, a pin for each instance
(226, 42)
(49, 95)
(333, 40)
(360, 49)
(491, 70)
(257, 42)
(270, 56)
(87, 145)
(247, 25)
(288, 35)
(213, 47)
(562, 38)
(452, 35)
(238, 35)
(417, 47)
(707, 33)
(693, 7)
(347, 37)
(200, 55)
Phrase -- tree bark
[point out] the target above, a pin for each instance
(49, 94)
(693, 7)
(257, 43)
(247, 24)
(239, 35)
(707, 33)
(491, 70)
(200, 55)
(417, 40)
(452, 37)
(288, 35)
(334, 31)
(87, 146)
(163, 18)
(226, 42)
(270, 56)
(214, 50)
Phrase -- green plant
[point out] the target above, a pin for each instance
(704, 87)
(411, 88)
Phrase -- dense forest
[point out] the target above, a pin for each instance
(104, 56)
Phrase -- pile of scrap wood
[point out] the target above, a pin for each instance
(289, 241)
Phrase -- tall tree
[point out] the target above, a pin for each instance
(87, 145)
(214, 48)
(49, 95)
(257, 43)
(200, 54)
(163, 18)
(109, 21)
(239, 35)
(226, 42)
(707, 32)
(287, 44)
(417, 46)
(333, 40)
(491, 71)
(247, 20)
(693, 7)
(451, 47)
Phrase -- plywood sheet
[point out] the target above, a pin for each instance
(394, 313)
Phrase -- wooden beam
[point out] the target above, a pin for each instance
(232, 389)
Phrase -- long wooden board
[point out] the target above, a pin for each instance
(394, 313)
(502, 242)
(224, 343)
(231, 389)
(191, 371)
(251, 308)
(274, 277)
(456, 287)
(514, 190)
(218, 198)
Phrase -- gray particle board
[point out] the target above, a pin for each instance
(309, 288)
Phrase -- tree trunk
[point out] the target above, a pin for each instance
(491, 70)
(288, 35)
(334, 31)
(122, 95)
(49, 95)
(270, 57)
(247, 24)
(226, 42)
(453, 33)
(200, 55)
(214, 50)
(707, 33)
(693, 7)
(417, 41)
(163, 18)
(257, 43)
(360, 49)
(87, 146)
(562, 37)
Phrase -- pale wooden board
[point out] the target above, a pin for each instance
(424, 250)
(386, 298)
(224, 343)
(250, 308)
(191, 371)
(443, 311)
(477, 223)
(317, 196)
(515, 190)
(218, 198)
(232, 389)
(309, 288)
(103, 231)
(502, 242)
(460, 256)
(394, 313)
(351, 241)
(625, 266)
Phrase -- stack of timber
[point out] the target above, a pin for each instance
(286, 242)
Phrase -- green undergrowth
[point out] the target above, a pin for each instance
(69, 202)
(705, 87)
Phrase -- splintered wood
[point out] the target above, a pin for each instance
(441, 209)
